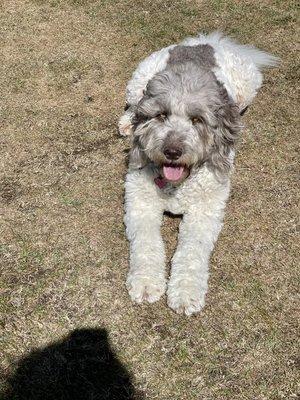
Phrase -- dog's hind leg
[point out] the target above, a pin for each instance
(125, 122)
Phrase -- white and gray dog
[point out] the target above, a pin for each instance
(184, 107)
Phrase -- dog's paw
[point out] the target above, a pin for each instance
(145, 288)
(125, 125)
(186, 298)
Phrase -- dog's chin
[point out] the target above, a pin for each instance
(174, 173)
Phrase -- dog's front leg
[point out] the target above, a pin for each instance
(146, 277)
(189, 276)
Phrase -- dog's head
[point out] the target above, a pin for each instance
(184, 119)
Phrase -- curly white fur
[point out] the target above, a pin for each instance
(201, 199)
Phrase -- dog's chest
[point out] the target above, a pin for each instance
(192, 193)
(176, 206)
(199, 192)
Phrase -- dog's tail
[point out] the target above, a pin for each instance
(262, 59)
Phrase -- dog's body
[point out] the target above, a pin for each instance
(184, 105)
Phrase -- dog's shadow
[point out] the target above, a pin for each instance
(80, 367)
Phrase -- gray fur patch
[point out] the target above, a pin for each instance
(202, 55)
(198, 116)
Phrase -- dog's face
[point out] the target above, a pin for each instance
(184, 119)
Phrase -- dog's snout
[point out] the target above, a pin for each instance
(172, 153)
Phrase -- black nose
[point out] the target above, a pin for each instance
(172, 153)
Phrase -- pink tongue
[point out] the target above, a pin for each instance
(172, 173)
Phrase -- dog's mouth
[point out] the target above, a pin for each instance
(175, 173)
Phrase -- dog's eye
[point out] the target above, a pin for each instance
(161, 117)
(196, 120)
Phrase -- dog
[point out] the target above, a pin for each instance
(183, 113)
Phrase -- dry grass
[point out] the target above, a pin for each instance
(64, 66)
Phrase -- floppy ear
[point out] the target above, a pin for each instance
(225, 135)
(137, 158)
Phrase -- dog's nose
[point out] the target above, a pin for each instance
(172, 153)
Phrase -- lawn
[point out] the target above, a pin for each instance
(63, 252)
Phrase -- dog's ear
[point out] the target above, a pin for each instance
(137, 157)
(226, 134)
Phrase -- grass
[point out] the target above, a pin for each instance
(64, 256)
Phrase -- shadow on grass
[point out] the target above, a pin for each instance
(80, 367)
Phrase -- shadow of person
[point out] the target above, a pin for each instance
(80, 367)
